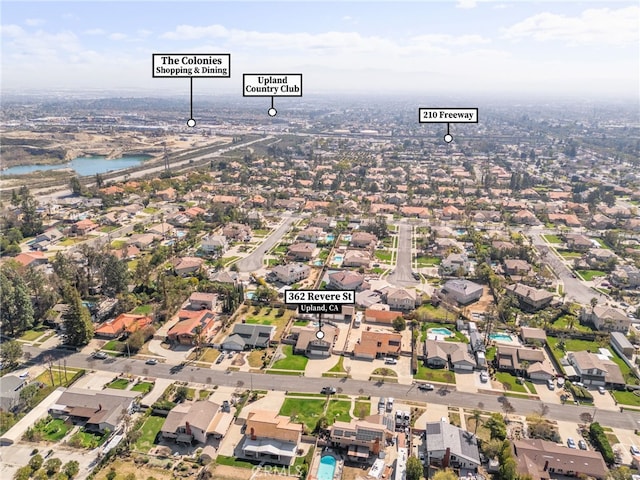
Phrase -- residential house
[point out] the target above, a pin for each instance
(448, 446)
(621, 345)
(31, 259)
(533, 336)
(595, 369)
(381, 315)
(142, 240)
(455, 355)
(214, 244)
(356, 258)
(96, 410)
(543, 460)
(82, 227)
(364, 240)
(160, 229)
(578, 242)
(311, 234)
(347, 280)
(47, 238)
(291, 273)
(626, 276)
(323, 221)
(517, 267)
(302, 251)
(400, 298)
(124, 323)
(196, 421)
(455, 264)
(307, 343)
(238, 232)
(271, 437)
(167, 195)
(10, 386)
(605, 318)
(530, 298)
(188, 265)
(377, 345)
(193, 327)
(247, 336)
(203, 300)
(520, 361)
(363, 438)
(462, 292)
(525, 217)
(222, 276)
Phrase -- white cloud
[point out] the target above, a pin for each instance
(144, 33)
(34, 22)
(594, 26)
(117, 36)
(95, 31)
(11, 31)
(466, 4)
(452, 40)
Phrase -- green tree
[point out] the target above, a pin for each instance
(446, 474)
(78, 327)
(28, 395)
(10, 352)
(52, 466)
(621, 473)
(415, 469)
(75, 185)
(497, 427)
(115, 276)
(36, 462)
(23, 473)
(16, 310)
(71, 468)
(31, 219)
(399, 324)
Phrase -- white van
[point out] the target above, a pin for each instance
(390, 361)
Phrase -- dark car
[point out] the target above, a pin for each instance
(100, 355)
(328, 390)
(151, 361)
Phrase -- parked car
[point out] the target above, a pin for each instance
(571, 443)
(634, 450)
(484, 377)
(425, 386)
(550, 384)
(99, 355)
(219, 359)
(601, 390)
(582, 445)
(328, 390)
(390, 361)
(151, 361)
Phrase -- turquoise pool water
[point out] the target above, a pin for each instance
(331, 237)
(327, 468)
(318, 263)
(180, 233)
(338, 258)
(347, 237)
(441, 331)
(502, 337)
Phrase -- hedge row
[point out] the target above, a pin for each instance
(600, 442)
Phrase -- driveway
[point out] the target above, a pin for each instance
(174, 356)
(604, 402)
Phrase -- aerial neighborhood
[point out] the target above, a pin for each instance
(493, 332)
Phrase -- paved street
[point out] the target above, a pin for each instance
(402, 275)
(627, 420)
(253, 261)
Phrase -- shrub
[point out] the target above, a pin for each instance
(601, 442)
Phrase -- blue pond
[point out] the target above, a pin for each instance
(83, 166)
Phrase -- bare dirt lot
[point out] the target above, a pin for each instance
(224, 472)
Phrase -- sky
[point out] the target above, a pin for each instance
(456, 47)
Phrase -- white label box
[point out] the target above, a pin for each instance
(317, 297)
(272, 85)
(448, 115)
(190, 65)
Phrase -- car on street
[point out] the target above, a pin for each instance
(151, 361)
(328, 390)
(425, 386)
(571, 443)
(99, 355)
(582, 445)
(634, 450)
(484, 377)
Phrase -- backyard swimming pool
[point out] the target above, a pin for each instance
(445, 332)
(501, 337)
(327, 468)
(337, 258)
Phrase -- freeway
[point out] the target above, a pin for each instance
(442, 396)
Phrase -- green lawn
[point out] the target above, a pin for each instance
(434, 374)
(150, 210)
(118, 244)
(114, 345)
(261, 232)
(338, 410)
(570, 322)
(31, 335)
(143, 310)
(226, 261)
(569, 254)
(362, 409)
(602, 243)
(338, 367)
(591, 274)
(424, 261)
(144, 387)
(120, 384)
(87, 440)
(150, 429)
(384, 372)
(303, 410)
(235, 462)
(54, 430)
(271, 318)
(429, 312)
(490, 354)
(531, 387)
(626, 398)
(291, 362)
(552, 238)
(571, 345)
(108, 228)
(508, 380)
(384, 255)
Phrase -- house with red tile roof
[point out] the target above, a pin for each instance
(377, 344)
(186, 330)
(31, 258)
(125, 323)
(82, 227)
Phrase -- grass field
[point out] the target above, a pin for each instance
(338, 410)
(509, 381)
(384, 255)
(150, 429)
(338, 367)
(569, 254)
(434, 374)
(144, 387)
(570, 322)
(424, 261)
(591, 274)
(428, 312)
(31, 335)
(362, 409)
(303, 410)
(291, 362)
(626, 398)
(143, 310)
(120, 384)
(552, 238)
(52, 430)
(271, 318)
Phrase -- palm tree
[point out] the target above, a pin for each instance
(477, 418)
